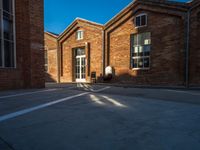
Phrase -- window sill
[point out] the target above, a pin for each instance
(8, 67)
(135, 69)
(140, 27)
(79, 39)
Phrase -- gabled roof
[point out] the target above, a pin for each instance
(52, 34)
(75, 22)
(170, 4)
(179, 6)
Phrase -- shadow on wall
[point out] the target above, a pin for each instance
(143, 78)
(49, 78)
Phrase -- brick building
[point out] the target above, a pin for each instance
(80, 51)
(154, 49)
(194, 44)
(50, 40)
(21, 53)
(150, 42)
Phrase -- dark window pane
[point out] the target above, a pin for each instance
(135, 63)
(134, 40)
(143, 20)
(7, 5)
(140, 41)
(137, 21)
(80, 51)
(140, 51)
(9, 54)
(147, 50)
(8, 29)
(140, 63)
(146, 62)
(147, 38)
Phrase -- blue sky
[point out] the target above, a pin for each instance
(60, 13)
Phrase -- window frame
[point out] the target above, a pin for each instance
(77, 35)
(139, 57)
(2, 35)
(140, 15)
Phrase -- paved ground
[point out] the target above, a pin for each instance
(97, 117)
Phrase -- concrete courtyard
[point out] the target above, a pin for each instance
(99, 117)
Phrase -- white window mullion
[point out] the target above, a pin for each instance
(136, 58)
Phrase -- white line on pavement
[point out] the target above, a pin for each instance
(115, 102)
(184, 92)
(28, 110)
(100, 90)
(27, 93)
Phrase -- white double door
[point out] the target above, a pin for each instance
(80, 70)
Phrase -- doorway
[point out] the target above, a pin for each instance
(80, 65)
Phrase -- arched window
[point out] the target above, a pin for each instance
(141, 20)
(79, 35)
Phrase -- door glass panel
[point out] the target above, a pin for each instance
(80, 68)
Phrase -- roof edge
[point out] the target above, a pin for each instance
(52, 34)
(134, 2)
(76, 21)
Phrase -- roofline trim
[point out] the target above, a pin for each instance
(56, 36)
(129, 5)
(74, 22)
(78, 18)
(134, 2)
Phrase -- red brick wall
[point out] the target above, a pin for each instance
(29, 48)
(51, 47)
(92, 36)
(167, 24)
(167, 51)
(194, 74)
